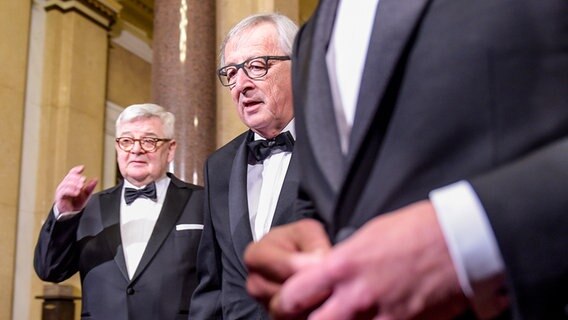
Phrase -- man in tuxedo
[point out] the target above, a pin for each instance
(432, 142)
(135, 244)
(251, 182)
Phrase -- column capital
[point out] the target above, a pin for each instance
(103, 12)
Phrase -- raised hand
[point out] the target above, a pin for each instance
(74, 190)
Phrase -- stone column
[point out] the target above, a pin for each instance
(183, 78)
(74, 87)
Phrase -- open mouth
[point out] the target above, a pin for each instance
(251, 103)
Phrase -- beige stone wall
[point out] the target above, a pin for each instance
(14, 29)
(129, 77)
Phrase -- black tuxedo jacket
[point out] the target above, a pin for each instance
(90, 243)
(451, 90)
(221, 292)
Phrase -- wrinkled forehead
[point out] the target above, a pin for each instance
(141, 126)
(255, 41)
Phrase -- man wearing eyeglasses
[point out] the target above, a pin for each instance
(135, 244)
(250, 183)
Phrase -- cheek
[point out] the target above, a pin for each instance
(121, 161)
(121, 158)
(235, 97)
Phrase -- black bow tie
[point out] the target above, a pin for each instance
(131, 194)
(261, 149)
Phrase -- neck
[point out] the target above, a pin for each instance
(270, 133)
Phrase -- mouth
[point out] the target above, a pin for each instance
(251, 103)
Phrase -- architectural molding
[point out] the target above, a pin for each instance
(134, 44)
(103, 12)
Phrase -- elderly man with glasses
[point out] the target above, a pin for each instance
(135, 244)
(250, 183)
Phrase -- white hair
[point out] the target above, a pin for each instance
(285, 27)
(145, 111)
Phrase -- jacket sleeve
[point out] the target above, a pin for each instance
(56, 255)
(206, 299)
(526, 203)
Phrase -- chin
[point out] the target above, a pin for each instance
(257, 123)
(138, 176)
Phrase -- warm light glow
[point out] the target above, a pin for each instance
(195, 177)
(195, 121)
(182, 31)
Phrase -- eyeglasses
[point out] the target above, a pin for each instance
(147, 144)
(254, 68)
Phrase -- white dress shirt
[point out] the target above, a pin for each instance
(264, 183)
(470, 239)
(137, 222)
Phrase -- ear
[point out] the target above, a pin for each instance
(172, 150)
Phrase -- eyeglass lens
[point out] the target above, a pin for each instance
(147, 144)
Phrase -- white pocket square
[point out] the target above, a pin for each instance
(189, 226)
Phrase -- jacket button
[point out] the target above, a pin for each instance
(130, 291)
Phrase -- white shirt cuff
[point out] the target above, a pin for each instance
(468, 234)
(61, 216)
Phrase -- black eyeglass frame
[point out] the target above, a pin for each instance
(155, 141)
(222, 72)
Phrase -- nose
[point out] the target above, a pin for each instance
(242, 81)
(137, 147)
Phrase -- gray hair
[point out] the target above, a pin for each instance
(285, 27)
(146, 111)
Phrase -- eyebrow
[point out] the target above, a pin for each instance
(145, 134)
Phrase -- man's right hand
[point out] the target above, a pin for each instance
(74, 191)
(281, 253)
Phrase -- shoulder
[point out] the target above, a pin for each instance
(182, 184)
(110, 190)
(229, 150)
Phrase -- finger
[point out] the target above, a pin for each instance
(277, 314)
(69, 189)
(75, 176)
(261, 289)
(311, 236)
(304, 291)
(301, 261)
(349, 300)
(89, 187)
(270, 257)
(273, 255)
(73, 181)
(77, 169)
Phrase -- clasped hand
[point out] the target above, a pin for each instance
(396, 266)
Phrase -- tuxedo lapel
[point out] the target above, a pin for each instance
(176, 199)
(241, 233)
(394, 25)
(393, 31)
(288, 194)
(110, 215)
(315, 97)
